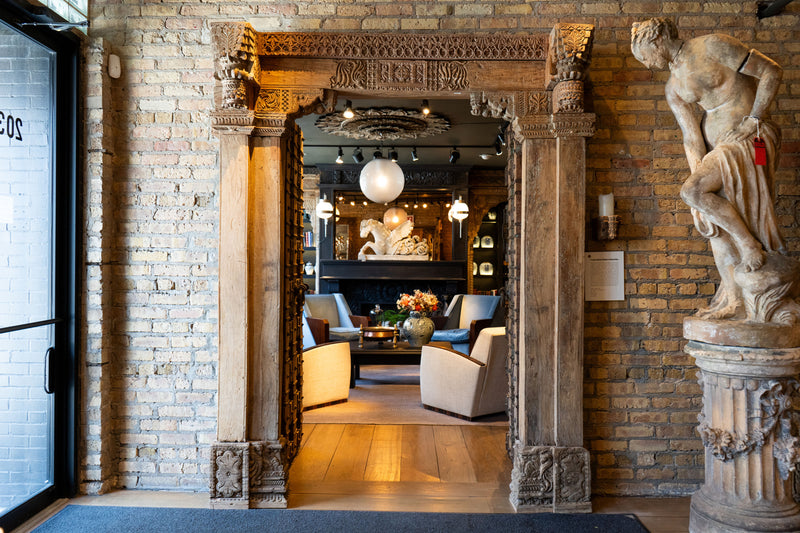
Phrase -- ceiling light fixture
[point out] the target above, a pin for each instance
(498, 147)
(339, 155)
(454, 155)
(348, 110)
(393, 217)
(501, 138)
(358, 157)
(393, 155)
(426, 109)
(381, 180)
(414, 156)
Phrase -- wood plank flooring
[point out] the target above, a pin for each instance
(394, 453)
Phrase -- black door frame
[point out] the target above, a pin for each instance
(67, 251)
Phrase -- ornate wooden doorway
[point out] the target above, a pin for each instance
(533, 81)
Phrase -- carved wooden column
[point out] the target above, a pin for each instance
(551, 468)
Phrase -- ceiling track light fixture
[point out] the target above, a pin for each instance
(348, 110)
(498, 147)
(501, 138)
(454, 155)
(358, 157)
(426, 109)
(414, 156)
(393, 155)
(339, 156)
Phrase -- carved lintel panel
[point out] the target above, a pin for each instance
(273, 100)
(236, 64)
(233, 120)
(551, 126)
(400, 75)
(496, 105)
(430, 46)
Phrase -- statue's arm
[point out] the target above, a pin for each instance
(693, 143)
(752, 63)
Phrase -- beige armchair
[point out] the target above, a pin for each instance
(343, 326)
(326, 369)
(466, 386)
(465, 317)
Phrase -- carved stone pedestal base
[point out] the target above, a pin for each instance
(247, 475)
(548, 479)
(750, 433)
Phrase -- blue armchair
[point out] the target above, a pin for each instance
(466, 315)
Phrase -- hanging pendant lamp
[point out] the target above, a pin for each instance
(381, 180)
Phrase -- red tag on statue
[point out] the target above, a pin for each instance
(761, 151)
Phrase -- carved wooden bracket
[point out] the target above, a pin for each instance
(568, 60)
(236, 63)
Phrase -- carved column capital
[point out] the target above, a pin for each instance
(568, 60)
(236, 63)
(248, 475)
(550, 479)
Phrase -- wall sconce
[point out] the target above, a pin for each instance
(459, 211)
(607, 222)
(325, 211)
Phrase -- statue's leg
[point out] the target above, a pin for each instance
(727, 301)
(699, 191)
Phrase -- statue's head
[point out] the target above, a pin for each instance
(649, 42)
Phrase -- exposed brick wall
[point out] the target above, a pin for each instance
(160, 255)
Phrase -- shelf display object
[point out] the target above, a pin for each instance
(488, 253)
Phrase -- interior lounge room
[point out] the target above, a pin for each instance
(419, 265)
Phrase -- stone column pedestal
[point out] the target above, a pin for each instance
(750, 434)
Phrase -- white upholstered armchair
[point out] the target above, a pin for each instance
(326, 370)
(334, 309)
(466, 385)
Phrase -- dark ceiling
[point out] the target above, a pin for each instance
(469, 134)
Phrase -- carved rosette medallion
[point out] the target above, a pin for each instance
(550, 478)
(236, 64)
(751, 434)
(400, 75)
(229, 467)
(384, 123)
(568, 58)
(245, 475)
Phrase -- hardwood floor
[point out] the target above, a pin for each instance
(414, 468)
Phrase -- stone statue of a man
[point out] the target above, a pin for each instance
(732, 152)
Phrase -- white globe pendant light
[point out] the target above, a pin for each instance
(393, 217)
(381, 180)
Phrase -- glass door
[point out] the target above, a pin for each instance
(35, 255)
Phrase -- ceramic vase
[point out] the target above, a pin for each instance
(418, 329)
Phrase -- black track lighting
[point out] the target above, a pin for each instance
(501, 138)
(348, 110)
(498, 147)
(414, 156)
(378, 153)
(454, 155)
(339, 156)
(393, 155)
(358, 157)
(426, 109)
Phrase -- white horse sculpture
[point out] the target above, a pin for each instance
(397, 242)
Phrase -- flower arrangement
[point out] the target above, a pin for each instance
(422, 302)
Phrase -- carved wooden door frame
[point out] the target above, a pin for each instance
(536, 82)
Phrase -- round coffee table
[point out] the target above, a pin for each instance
(377, 333)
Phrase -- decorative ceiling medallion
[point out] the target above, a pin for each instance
(383, 124)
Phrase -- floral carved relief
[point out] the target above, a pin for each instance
(236, 63)
(400, 75)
